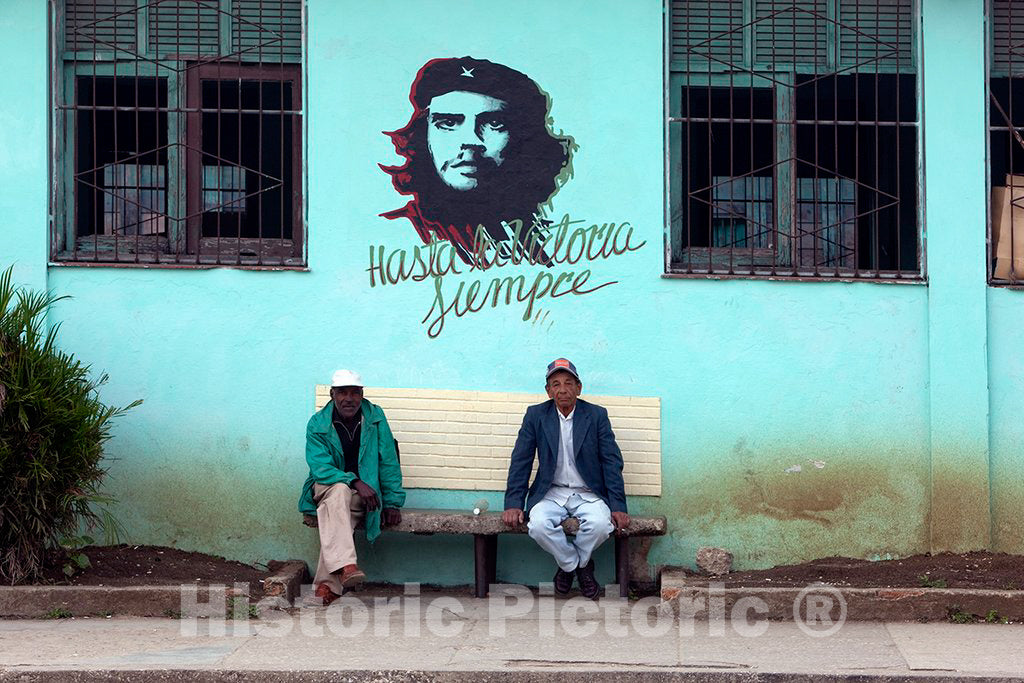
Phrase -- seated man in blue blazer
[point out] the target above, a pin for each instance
(579, 475)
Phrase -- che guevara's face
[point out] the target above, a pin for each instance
(467, 136)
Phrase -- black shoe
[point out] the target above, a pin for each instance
(588, 584)
(563, 581)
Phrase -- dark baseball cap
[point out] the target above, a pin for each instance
(562, 364)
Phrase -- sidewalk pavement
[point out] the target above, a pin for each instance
(515, 637)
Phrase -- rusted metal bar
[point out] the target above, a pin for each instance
(896, 209)
(95, 152)
(875, 217)
(710, 151)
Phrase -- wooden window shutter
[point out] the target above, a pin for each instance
(790, 33)
(267, 30)
(877, 32)
(184, 27)
(706, 29)
(1007, 37)
(97, 25)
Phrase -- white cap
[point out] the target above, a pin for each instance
(346, 378)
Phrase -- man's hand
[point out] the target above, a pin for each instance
(513, 517)
(392, 516)
(367, 493)
(620, 520)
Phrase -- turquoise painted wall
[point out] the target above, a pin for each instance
(754, 376)
(955, 210)
(24, 119)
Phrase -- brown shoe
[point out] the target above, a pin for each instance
(351, 575)
(326, 595)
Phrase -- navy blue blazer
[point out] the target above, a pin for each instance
(598, 457)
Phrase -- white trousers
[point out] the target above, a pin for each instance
(595, 527)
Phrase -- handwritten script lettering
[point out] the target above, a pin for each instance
(564, 244)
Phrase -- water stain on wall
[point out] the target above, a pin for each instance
(213, 506)
(773, 511)
(961, 510)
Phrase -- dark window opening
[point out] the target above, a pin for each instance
(120, 157)
(1006, 144)
(824, 189)
(178, 132)
(247, 162)
(1006, 154)
(1006, 164)
(729, 170)
(793, 136)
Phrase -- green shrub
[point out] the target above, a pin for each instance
(958, 616)
(52, 431)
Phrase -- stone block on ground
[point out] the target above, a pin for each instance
(287, 580)
(714, 561)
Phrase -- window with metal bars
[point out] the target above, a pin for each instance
(793, 139)
(178, 132)
(1006, 142)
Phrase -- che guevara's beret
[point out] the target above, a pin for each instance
(450, 74)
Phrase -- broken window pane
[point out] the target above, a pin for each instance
(134, 200)
(742, 211)
(224, 188)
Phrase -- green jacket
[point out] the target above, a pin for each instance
(378, 461)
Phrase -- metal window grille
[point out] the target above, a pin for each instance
(793, 138)
(1006, 142)
(178, 132)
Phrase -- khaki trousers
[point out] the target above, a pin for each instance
(338, 509)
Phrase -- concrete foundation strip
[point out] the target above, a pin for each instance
(683, 596)
(34, 602)
(564, 676)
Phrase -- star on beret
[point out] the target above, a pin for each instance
(468, 73)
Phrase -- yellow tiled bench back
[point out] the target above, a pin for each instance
(463, 439)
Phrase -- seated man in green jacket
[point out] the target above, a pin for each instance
(353, 471)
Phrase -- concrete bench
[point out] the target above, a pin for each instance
(486, 527)
(461, 440)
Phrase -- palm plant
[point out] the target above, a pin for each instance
(52, 430)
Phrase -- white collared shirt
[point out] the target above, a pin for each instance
(567, 479)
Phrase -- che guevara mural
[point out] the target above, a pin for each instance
(478, 151)
(481, 163)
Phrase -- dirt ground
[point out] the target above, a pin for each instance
(135, 565)
(140, 565)
(997, 571)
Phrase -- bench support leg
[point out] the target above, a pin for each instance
(622, 564)
(492, 559)
(485, 562)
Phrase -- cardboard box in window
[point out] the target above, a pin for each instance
(1008, 228)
